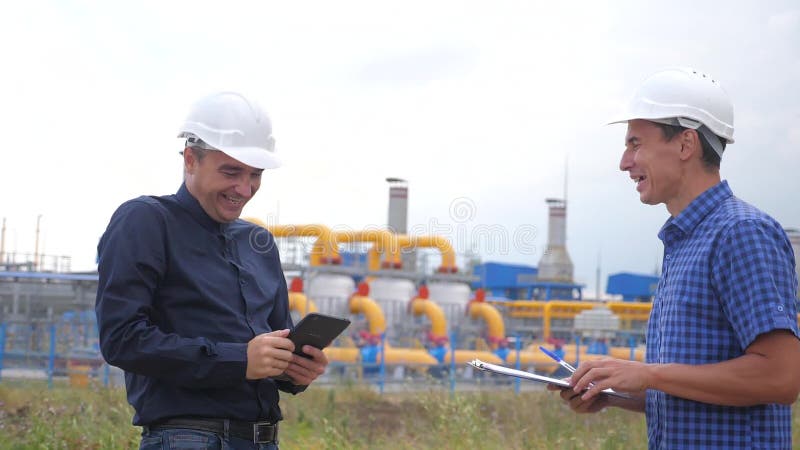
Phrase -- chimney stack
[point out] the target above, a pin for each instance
(555, 264)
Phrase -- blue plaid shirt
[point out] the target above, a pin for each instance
(728, 276)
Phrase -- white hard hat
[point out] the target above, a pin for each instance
(674, 95)
(229, 122)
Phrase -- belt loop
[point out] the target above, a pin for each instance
(226, 427)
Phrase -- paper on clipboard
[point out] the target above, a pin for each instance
(494, 368)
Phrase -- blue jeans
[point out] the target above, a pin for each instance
(182, 438)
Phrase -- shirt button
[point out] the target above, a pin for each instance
(667, 256)
(780, 308)
(242, 282)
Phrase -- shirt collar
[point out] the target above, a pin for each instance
(698, 209)
(190, 204)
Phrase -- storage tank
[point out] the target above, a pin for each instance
(452, 296)
(393, 296)
(331, 293)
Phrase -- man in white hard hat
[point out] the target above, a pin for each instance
(723, 355)
(192, 302)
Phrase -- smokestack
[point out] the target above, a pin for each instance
(398, 205)
(398, 217)
(556, 264)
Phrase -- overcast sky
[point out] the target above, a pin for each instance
(478, 104)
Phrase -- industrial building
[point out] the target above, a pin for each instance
(633, 287)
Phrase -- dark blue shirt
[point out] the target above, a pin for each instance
(179, 298)
(728, 277)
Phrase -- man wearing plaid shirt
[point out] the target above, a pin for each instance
(723, 355)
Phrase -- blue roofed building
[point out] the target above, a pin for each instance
(521, 282)
(633, 287)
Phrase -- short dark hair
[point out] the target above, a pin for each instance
(198, 152)
(710, 157)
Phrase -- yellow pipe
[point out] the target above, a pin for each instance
(393, 355)
(404, 242)
(383, 239)
(408, 356)
(493, 319)
(434, 313)
(528, 309)
(439, 242)
(300, 303)
(628, 312)
(625, 353)
(631, 310)
(365, 305)
(465, 356)
(343, 354)
(325, 250)
(557, 309)
(374, 258)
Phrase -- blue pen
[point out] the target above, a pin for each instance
(560, 361)
(571, 369)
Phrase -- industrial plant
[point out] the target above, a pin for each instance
(407, 319)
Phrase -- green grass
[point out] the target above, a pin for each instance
(347, 417)
(33, 417)
(353, 418)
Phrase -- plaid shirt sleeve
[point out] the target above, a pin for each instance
(755, 279)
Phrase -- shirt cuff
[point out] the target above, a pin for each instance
(288, 386)
(776, 322)
(235, 353)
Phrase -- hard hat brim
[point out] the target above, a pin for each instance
(256, 157)
(628, 118)
(253, 157)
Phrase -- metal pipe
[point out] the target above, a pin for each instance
(51, 363)
(2, 346)
(632, 343)
(302, 304)
(360, 304)
(36, 251)
(453, 362)
(383, 240)
(382, 367)
(495, 328)
(434, 312)
(325, 250)
(442, 244)
(518, 365)
(3, 243)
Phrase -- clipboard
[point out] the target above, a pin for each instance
(494, 368)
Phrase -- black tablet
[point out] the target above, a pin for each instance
(316, 330)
